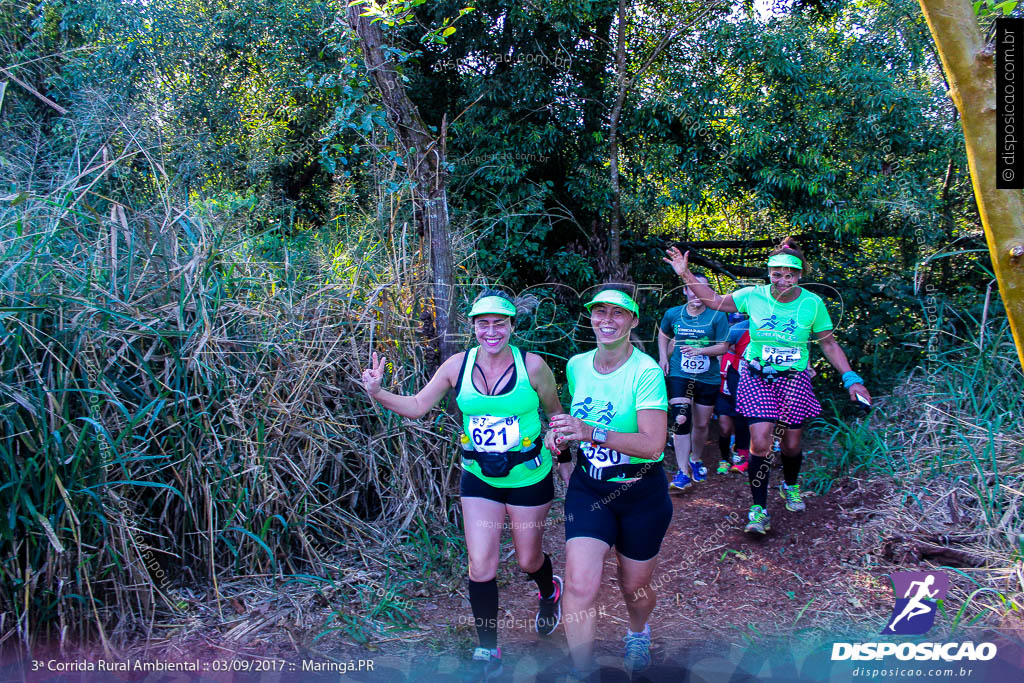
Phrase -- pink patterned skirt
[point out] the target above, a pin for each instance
(790, 400)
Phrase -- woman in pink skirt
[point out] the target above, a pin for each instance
(774, 392)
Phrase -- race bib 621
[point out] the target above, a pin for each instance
(492, 434)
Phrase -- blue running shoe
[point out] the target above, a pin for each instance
(680, 482)
(638, 650)
(698, 471)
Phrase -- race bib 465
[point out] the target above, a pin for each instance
(780, 356)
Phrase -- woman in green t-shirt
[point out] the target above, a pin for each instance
(618, 493)
(505, 469)
(774, 393)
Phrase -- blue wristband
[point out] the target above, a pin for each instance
(850, 378)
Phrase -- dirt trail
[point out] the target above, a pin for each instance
(714, 579)
(718, 588)
(716, 585)
(730, 606)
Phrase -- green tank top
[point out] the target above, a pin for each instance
(502, 423)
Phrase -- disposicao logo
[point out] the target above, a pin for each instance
(916, 594)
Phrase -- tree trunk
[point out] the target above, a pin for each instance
(425, 161)
(614, 224)
(970, 71)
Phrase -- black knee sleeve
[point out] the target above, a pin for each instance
(679, 411)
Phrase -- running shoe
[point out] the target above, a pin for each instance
(737, 459)
(549, 610)
(723, 467)
(638, 650)
(791, 494)
(759, 521)
(485, 665)
(698, 472)
(680, 481)
(740, 467)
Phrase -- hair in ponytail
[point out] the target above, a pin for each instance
(789, 246)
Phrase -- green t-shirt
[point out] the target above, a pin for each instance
(612, 401)
(710, 327)
(779, 332)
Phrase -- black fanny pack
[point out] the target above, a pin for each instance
(769, 374)
(630, 471)
(500, 464)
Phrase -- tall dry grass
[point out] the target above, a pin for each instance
(951, 440)
(180, 414)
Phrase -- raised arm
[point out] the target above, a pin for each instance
(419, 405)
(681, 264)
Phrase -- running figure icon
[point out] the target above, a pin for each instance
(915, 607)
(915, 596)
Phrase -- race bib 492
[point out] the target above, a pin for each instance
(694, 365)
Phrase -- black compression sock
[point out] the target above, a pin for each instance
(791, 467)
(483, 598)
(758, 474)
(742, 433)
(723, 448)
(542, 577)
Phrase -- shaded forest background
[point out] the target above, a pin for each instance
(207, 222)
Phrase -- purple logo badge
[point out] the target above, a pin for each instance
(916, 594)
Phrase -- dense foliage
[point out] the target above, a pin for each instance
(206, 223)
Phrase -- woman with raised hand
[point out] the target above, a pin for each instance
(618, 493)
(774, 392)
(505, 469)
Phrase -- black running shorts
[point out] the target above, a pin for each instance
(701, 393)
(632, 516)
(541, 493)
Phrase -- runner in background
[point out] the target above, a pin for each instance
(731, 424)
(690, 336)
(774, 391)
(505, 470)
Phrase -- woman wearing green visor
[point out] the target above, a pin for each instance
(505, 469)
(618, 494)
(774, 392)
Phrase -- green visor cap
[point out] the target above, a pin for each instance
(493, 304)
(785, 261)
(615, 297)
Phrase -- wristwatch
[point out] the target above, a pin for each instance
(600, 435)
